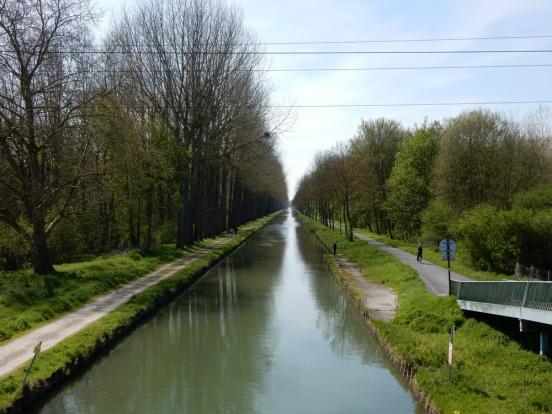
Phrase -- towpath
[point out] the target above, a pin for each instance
(14, 353)
(434, 277)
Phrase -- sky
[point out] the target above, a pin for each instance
(310, 130)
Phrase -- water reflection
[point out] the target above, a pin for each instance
(266, 331)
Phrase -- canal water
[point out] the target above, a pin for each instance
(266, 331)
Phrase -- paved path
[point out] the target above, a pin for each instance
(434, 277)
(16, 352)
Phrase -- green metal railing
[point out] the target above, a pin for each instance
(531, 294)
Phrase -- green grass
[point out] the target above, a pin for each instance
(460, 265)
(64, 356)
(492, 372)
(27, 299)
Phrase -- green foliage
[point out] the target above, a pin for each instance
(484, 158)
(437, 221)
(27, 299)
(497, 239)
(409, 183)
(491, 237)
(536, 238)
(536, 198)
(433, 315)
(14, 251)
(66, 242)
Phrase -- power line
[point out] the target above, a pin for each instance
(370, 68)
(321, 106)
(389, 52)
(303, 52)
(413, 104)
(435, 39)
(536, 65)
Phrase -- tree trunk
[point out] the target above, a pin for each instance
(182, 225)
(149, 214)
(42, 262)
(348, 219)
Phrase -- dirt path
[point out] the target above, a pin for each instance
(16, 352)
(380, 301)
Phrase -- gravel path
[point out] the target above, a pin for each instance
(380, 301)
(434, 277)
(18, 351)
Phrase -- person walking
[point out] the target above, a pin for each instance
(334, 247)
(420, 253)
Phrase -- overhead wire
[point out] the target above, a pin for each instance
(299, 52)
(359, 69)
(337, 105)
(136, 49)
(430, 39)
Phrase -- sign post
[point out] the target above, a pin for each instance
(451, 347)
(448, 249)
(36, 351)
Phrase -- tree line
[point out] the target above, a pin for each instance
(478, 176)
(161, 134)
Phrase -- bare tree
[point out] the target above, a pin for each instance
(44, 89)
(190, 63)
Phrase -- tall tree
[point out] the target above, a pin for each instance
(409, 186)
(486, 158)
(44, 90)
(374, 149)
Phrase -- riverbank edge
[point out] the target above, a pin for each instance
(57, 366)
(355, 297)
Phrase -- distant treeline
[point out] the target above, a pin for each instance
(160, 135)
(479, 177)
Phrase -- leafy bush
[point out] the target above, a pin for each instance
(536, 238)
(537, 198)
(14, 251)
(66, 242)
(497, 239)
(491, 238)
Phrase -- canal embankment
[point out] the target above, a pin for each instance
(491, 372)
(56, 365)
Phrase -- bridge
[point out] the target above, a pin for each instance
(528, 301)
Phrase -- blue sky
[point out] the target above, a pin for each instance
(332, 20)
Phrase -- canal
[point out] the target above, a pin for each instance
(267, 330)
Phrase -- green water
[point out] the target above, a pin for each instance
(266, 331)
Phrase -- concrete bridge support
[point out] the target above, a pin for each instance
(544, 341)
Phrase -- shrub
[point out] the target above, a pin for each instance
(536, 238)
(491, 237)
(66, 242)
(14, 251)
(537, 198)
(496, 239)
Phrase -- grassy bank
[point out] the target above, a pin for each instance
(460, 265)
(27, 299)
(492, 373)
(58, 363)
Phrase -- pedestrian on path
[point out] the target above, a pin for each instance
(335, 247)
(420, 253)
